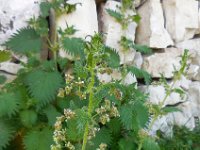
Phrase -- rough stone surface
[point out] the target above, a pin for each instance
(181, 18)
(151, 29)
(84, 19)
(14, 15)
(114, 32)
(10, 67)
(194, 96)
(193, 46)
(163, 62)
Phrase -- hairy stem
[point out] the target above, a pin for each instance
(90, 107)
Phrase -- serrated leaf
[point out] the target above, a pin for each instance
(118, 16)
(125, 144)
(81, 120)
(142, 48)
(51, 114)
(4, 56)
(9, 104)
(2, 79)
(45, 7)
(28, 117)
(142, 114)
(126, 116)
(43, 86)
(38, 140)
(103, 136)
(6, 134)
(140, 73)
(150, 144)
(80, 70)
(114, 126)
(113, 59)
(25, 41)
(73, 46)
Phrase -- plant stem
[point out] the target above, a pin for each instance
(90, 107)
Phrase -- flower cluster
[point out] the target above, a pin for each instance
(107, 111)
(102, 146)
(71, 84)
(59, 135)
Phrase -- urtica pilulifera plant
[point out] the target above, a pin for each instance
(58, 103)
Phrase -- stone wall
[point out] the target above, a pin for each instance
(167, 26)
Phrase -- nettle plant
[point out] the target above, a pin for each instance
(57, 103)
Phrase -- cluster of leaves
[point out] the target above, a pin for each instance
(182, 139)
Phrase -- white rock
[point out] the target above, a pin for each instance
(14, 15)
(138, 60)
(157, 95)
(151, 29)
(185, 116)
(84, 19)
(192, 44)
(181, 18)
(114, 31)
(10, 67)
(194, 96)
(128, 79)
(163, 62)
(194, 72)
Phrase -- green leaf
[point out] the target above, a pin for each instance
(118, 16)
(2, 79)
(45, 7)
(81, 120)
(25, 41)
(73, 46)
(103, 136)
(6, 134)
(28, 117)
(142, 48)
(9, 104)
(43, 86)
(5, 56)
(51, 114)
(113, 58)
(125, 144)
(136, 18)
(142, 114)
(140, 73)
(80, 70)
(150, 144)
(127, 116)
(38, 140)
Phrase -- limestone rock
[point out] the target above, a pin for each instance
(105, 78)
(194, 96)
(193, 46)
(114, 31)
(163, 62)
(84, 19)
(181, 18)
(157, 94)
(14, 15)
(151, 29)
(9, 67)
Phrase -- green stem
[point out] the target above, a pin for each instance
(90, 107)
